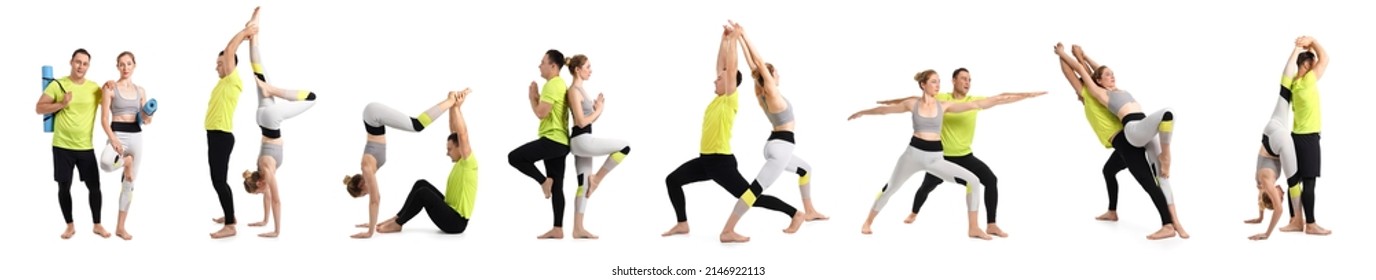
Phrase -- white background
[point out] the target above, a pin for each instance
(1217, 65)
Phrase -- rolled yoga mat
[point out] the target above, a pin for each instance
(47, 79)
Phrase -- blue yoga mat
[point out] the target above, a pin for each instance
(149, 108)
(47, 79)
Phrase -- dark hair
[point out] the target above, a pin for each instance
(738, 77)
(123, 54)
(556, 57)
(81, 51)
(236, 57)
(756, 73)
(576, 61)
(1265, 201)
(454, 138)
(354, 184)
(957, 72)
(251, 181)
(1305, 57)
(1098, 73)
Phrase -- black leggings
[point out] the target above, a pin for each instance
(1111, 169)
(1136, 160)
(554, 155)
(221, 145)
(981, 170)
(64, 161)
(722, 170)
(425, 196)
(1308, 154)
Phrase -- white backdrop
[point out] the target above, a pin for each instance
(1216, 64)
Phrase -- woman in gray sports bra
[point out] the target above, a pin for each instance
(377, 117)
(121, 113)
(924, 152)
(271, 114)
(584, 145)
(779, 148)
(1142, 134)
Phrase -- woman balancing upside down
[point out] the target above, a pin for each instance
(452, 209)
(376, 119)
(1134, 142)
(924, 152)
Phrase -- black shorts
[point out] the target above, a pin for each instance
(65, 160)
(1307, 154)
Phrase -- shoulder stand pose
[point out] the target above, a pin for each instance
(585, 145)
(451, 210)
(1134, 142)
(715, 160)
(120, 112)
(924, 152)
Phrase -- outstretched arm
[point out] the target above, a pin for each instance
(1290, 67)
(900, 107)
(457, 125)
(1323, 59)
(990, 102)
(1086, 79)
(271, 179)
(1071, 77)
(756, 62)
(1275, 196)
(727, 61)
(227, 64)
(374, 198)
(896, 100)
(1083, 58)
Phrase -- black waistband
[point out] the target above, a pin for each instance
(1266, 143)
(271, 133)
(925, 145)
(374, 130)
(783, 135)
(1133, 117)
(575, 130)
(125, 127)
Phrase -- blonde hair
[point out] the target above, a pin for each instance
(251, 179)
(354, 184)
(575, 62)
(924, 76)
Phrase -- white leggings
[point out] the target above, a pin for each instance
(914, 160)
(586, 146)
(110, 161)
(779, 157)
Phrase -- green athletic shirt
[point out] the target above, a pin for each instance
(462, 187)
(219, 114)
(1104, 122)
(555, 126)
(717, 123)
(1308, 118)
(958, 129)
(74, 124)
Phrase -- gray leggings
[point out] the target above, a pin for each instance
(377, 116)
(779, 157)
(586, 146)
(110, 160)
(1279, 141)
(914, 160)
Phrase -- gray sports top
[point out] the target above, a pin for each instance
(1117, 98)
(120, 106)
(925, 124)
(587, 102)
(782, 117)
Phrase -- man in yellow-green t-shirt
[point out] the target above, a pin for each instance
(553, 145)
(452, 209)
(73, 101)
(219, 124)
(1310, 66)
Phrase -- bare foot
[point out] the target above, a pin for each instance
(733, 237)
(224, 232)
(1253, 221)
(815, 216)
(554, 233)
(259, 224)
(389, 227)
(362, 235)
(67, 234)
(1314, 229)
(268, 234)
(798, 219)
(911, 217)
(977, 233)
(583, 234)
(1165, 232)
(99, 230)
(866, 229)
(994, 230)
(220, 220)
(1181, 232)
(547, 187)
(1293, 227)
(123, 234)
(680, 228)
(1111, 216)
(1259, 236)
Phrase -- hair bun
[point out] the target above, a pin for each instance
(347, 179)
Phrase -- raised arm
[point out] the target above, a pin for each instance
(1071, 77)
(457, 125)
(271, 177)
(227, 64)
(900, 107)
(990, 102)
(727, 61)
(374, 199)
(756, 62)
(1323, 59)
(1086, 79)
(1290, 67)
(1084, 59)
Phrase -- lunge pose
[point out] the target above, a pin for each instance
(74, 100)
(924, 152)
(778, 149)
(553, 145)
(451, 210)
(121, 110)
(376, 119)
(219, 124)
(1134, 142)
(715, 160)
(585, 145)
